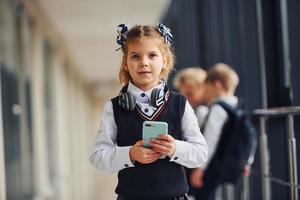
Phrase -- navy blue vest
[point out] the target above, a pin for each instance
(161, 179)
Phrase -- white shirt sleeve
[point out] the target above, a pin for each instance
(192, 151)
(106, 155)
(213, 129)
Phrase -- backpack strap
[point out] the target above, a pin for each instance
(224, 105)
(228, 108)
(203, 126)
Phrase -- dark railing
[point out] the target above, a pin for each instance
(288, 113)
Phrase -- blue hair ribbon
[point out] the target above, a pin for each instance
(166, 32)
(122, 31)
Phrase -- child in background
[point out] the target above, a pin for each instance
(190, 83)
(142, 174)
(221, 83)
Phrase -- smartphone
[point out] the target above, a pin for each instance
(152, 129)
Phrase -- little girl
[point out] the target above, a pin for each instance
(154, 173)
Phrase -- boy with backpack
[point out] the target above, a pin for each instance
(229, 134)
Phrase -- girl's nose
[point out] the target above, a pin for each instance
(144, 62)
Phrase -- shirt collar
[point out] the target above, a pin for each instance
(137, 91)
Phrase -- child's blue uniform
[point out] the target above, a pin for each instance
(161, 179)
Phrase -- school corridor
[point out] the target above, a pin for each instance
(59, 65)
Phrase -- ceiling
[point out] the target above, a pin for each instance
(89, 30)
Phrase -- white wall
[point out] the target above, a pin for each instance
(2, 164)
(75, 119)
(39, 129)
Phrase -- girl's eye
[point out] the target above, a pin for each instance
(153, 55)
(134, 56)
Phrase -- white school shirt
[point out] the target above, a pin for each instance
(201, 112)
(214, 124)
(108, 156)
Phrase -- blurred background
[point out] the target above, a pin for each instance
(59, 65)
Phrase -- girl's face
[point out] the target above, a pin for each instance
(144, 62)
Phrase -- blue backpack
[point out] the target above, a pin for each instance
(236, 147)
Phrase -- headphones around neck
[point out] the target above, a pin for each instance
(128, 101)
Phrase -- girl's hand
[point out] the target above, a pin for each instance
(196, 178)
(164, 144)
(139, 153)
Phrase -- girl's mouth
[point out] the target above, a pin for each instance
(144, 72)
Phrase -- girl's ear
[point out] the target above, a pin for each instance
(165, 63)
(124, 63)
(125, 68)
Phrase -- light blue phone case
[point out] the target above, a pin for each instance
(152, 129)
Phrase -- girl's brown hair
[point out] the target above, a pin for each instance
(138, 32)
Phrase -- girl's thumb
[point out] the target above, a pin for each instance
(139, 143)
